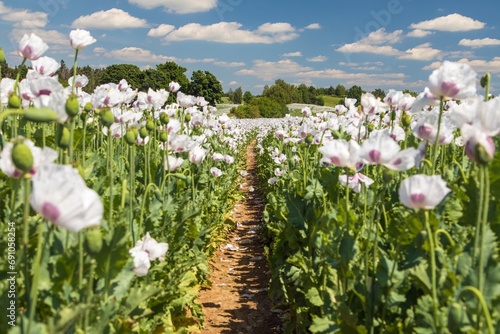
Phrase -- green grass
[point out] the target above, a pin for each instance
(331, 101)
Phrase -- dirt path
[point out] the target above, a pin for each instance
(237, 302)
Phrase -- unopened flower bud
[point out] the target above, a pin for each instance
(107, 117)
(62, 136)
(143, 132)
(485, 80)
(163, 136)
(188, 118)
(388, 175)
(93, 241)
(150, 125)
(22, 156)
(164, 119)
(309, 139)
(136, 131)
(40, 115)
(371, 126)
(393, 115)
(72, 106)
(88, 107)
(406, 120)
(14, 101)
(130, 137)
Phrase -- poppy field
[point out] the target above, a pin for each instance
(380, 217)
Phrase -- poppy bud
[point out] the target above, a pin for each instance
(164, 119)
(72, 106)
(88, 107)
(22, 156)
(485, 80)
(406, 120)
(371, 126)
(14, 101)
(62, 136)
(188, 118)
(163, 136)
(130, 137)
(309, 139)
(40, 115)
(107, 117)
(143, 132)
(150, 125)
(93, 241)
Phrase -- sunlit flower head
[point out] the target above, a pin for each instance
(80, 39)
(423, 191)
(31, 47)
(453, 80)
(45, 66)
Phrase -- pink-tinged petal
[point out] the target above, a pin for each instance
(50, 212)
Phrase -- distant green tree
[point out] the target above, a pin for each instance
(238, 96)
(230, 95)
(153, 79)
(379, 93)
(247, 97)
(115, 73)
(355, 92)
(340, 90)
(282, 92)
(204, 83)
(175, 73)
(411, 92)
(331, 91)
(261, 107)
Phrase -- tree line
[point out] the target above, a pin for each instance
(202, 83)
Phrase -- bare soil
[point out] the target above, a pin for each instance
(237, 301)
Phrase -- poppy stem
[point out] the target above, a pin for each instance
(432, 255)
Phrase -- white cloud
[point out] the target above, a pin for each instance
(480, 66)
(229, 64)
(292, 54)
(233, 83)
(231, 32)
(419, 33)
(57, 41)
(372, 43)
(113, 18)
(366, 63)
(386, 50)
(421, 52)
(135, 54)
(177, 6)
(331, 73)
(268, 70)
(161, 30)
(313, 26)
(479, 43)
(453, 22)
(23, 18)
(317, 59)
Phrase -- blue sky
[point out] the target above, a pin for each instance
(250, 43)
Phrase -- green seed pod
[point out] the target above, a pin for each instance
(371, 126)
(388, 175)
(143, 132)
(163, 136)
(393, 115)
(40, 115)
(150, 125)
(14, 101)
(88, 107)
(164, 119)
(309, 139)
(22, 156)
(72, 106)
(62, 136)
(406, 120)
(158, 195)
(187, 118)
(93, 241)
(130, 137)
(136, 132)
(107, 117)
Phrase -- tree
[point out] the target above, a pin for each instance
(204, 83)
(379, 93)
(355, 92)
(340, 90)
(115, 73)
(411, 92)
(238, 96)
(331, 91)
(176, 73)
(282, 92)
(247, 97)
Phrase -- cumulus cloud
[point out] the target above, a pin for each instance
(453, 22)
(113, 18)
(313, 26)
(293, 54)
(139, 55)
(229, 64)
(317, 59)
(177, 6)
(23, 18)
(479, 43)
(269, 70)
(478, 65)
(419, 33)
(231, 32)
(421, 52)
(161, 30)
(372, 43)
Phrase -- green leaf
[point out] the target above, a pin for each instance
(313, 297)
